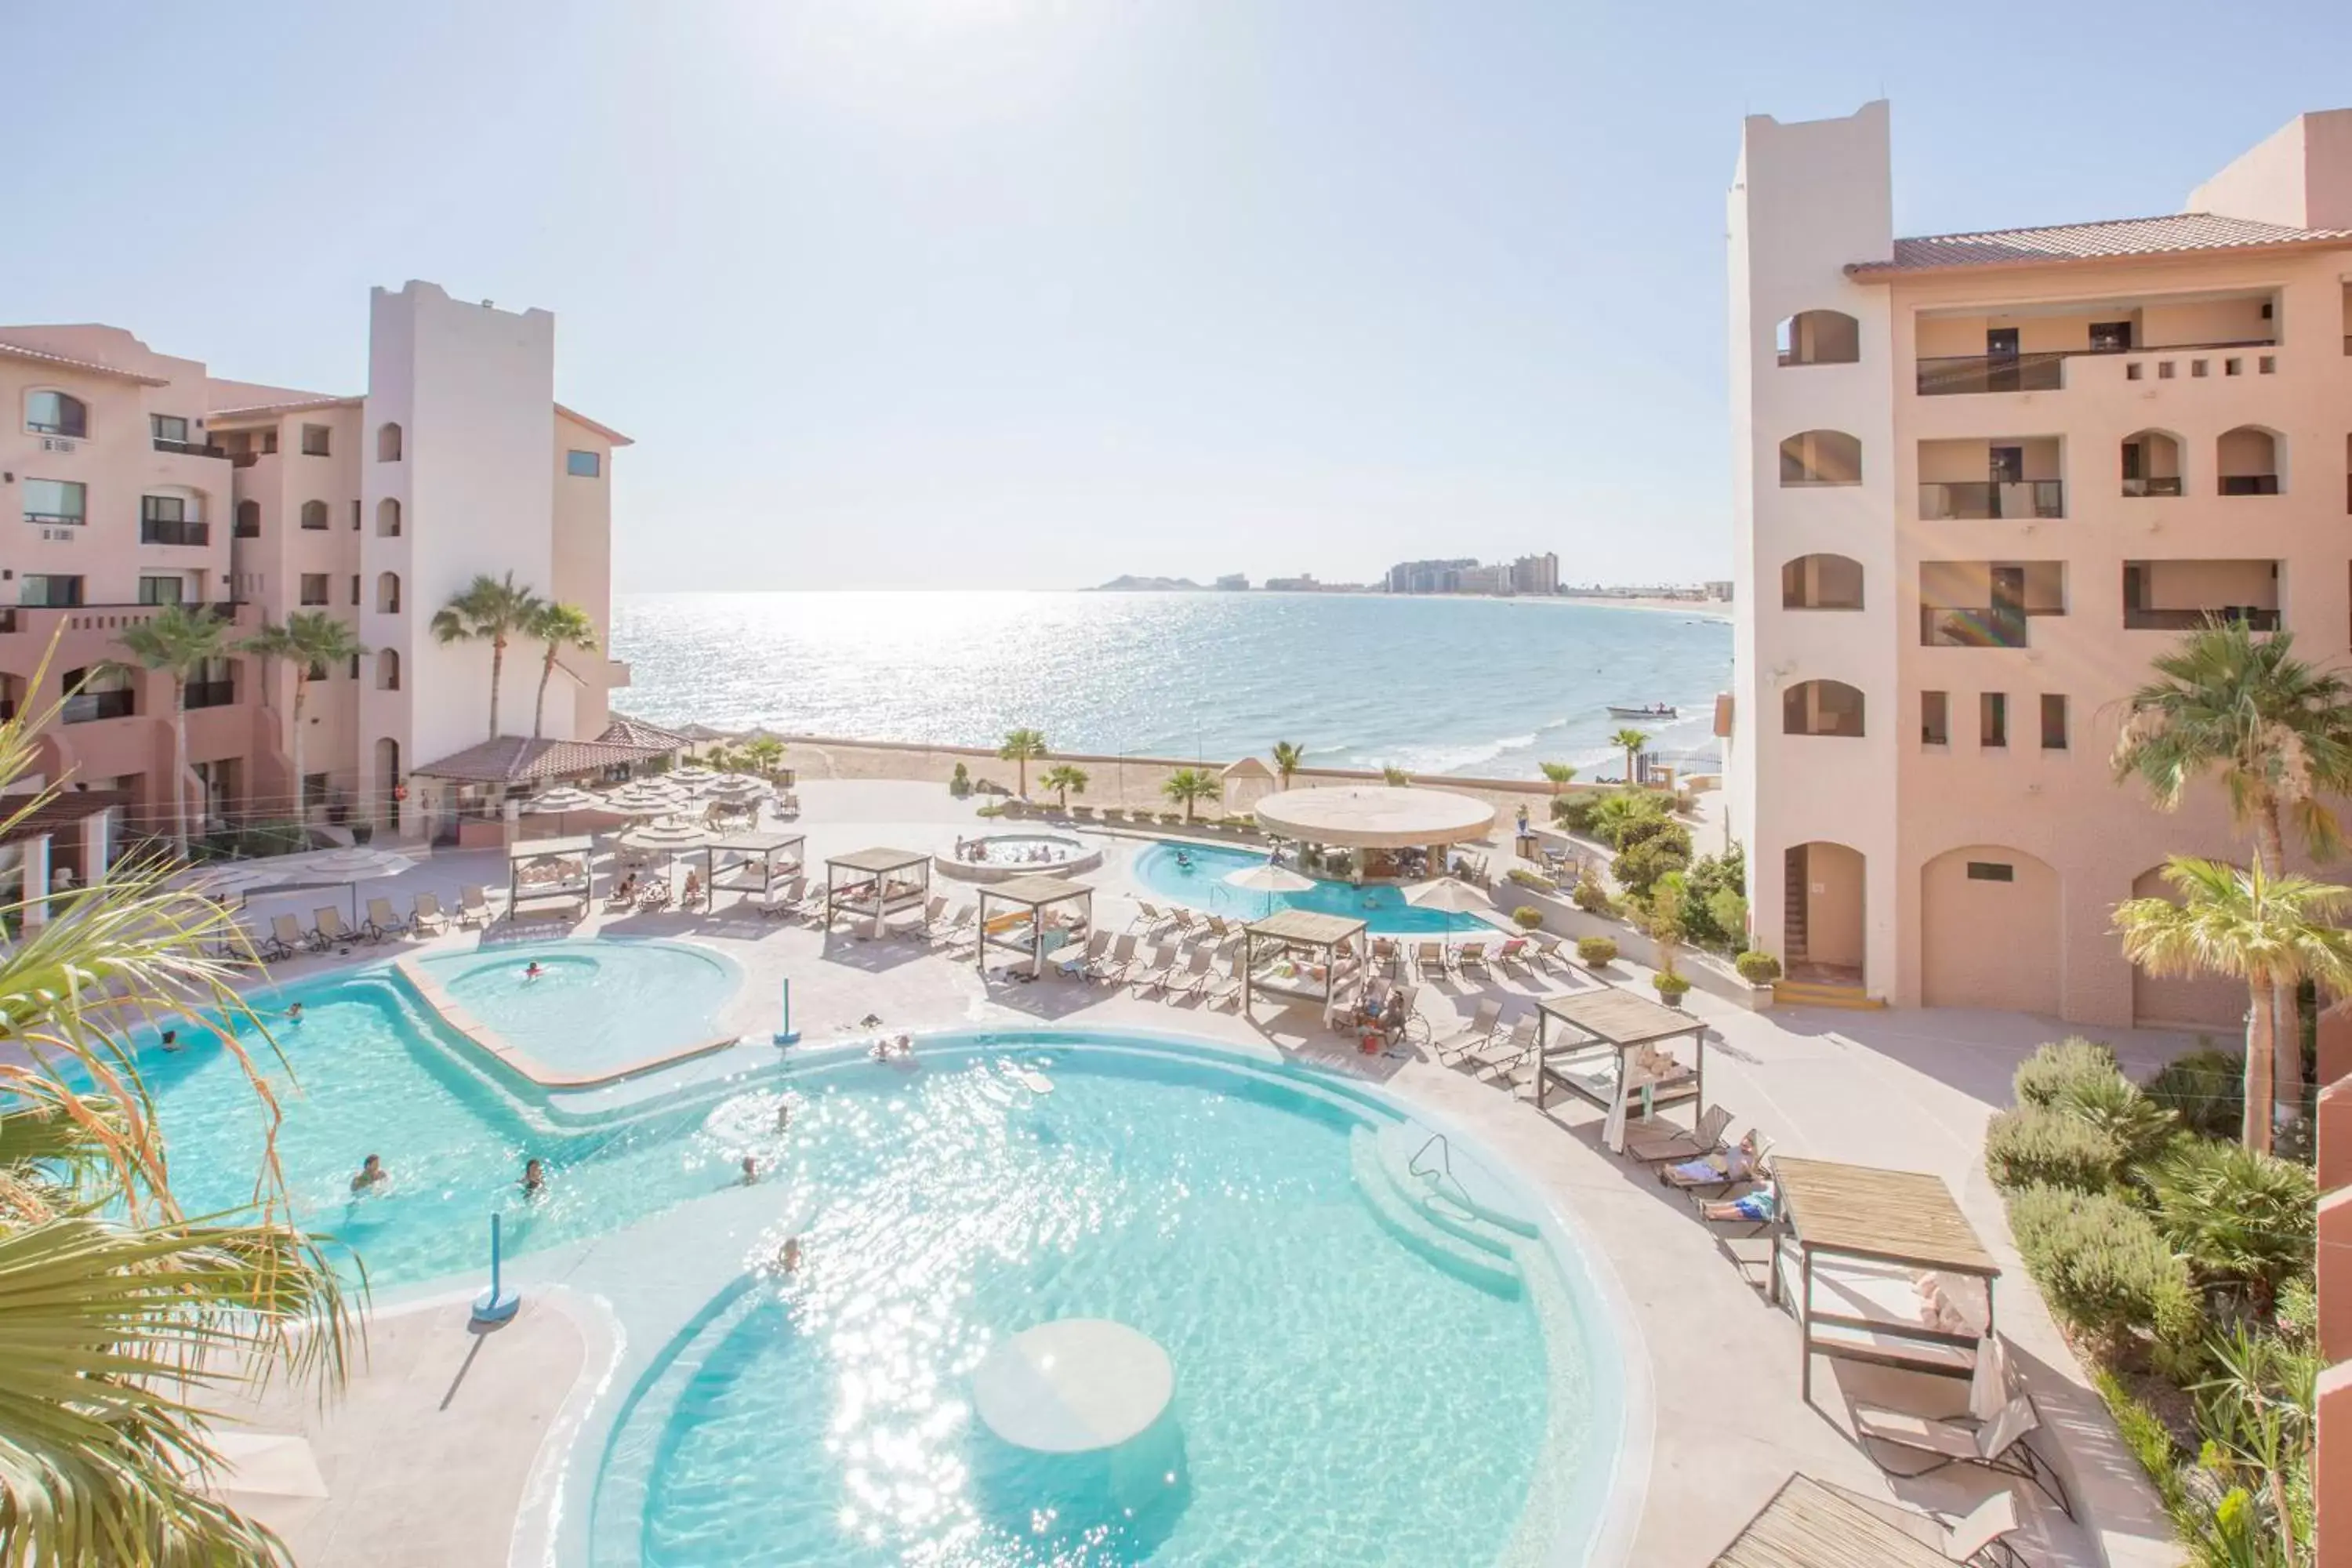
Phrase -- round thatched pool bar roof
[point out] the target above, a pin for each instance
(1375, 817)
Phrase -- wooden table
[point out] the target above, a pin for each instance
(1807, 1525)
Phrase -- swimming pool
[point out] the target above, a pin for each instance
(1353, 1383)
(595, 1006)
(1202, 885)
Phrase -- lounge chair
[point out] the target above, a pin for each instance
(1147, 918)
(1156, 969)
(1473, 955)
(931, 913)
(286, 938)
(1410, 995)
(327, 928)
(1072, 958)
(1183, 925)
(473, 907)
(1513, 955)
(655, 896)
(961, 926)
(1725, 1168)
(1500, 1053)
(1651, 1143)
(1219, 932)
(1998, 1445)
(1195, 976)
(1811, 1521)
(1226, 985)
(1385, 951)
(1429, 958)
(381, 922)
(1547, 950)
(1481, 1022)
(778, 903)
(1114, 964)
(424, 913)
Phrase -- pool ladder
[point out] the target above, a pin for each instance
(1444, 1164)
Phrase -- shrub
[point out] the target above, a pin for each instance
(2102, 1266)
(1573, 813)
(1670, 987)
(2043, 1077)
(2240, 1218)
(2136, 1127)
(1637, 869)
(2206, 1088)
(990, 810)
(1758, 967)
(1596, 952)
(1613, 813)
(1528, 917)
(1715, 908)
(960, 782)
(1527, 878)
(2029, 1146)
(1592, 897)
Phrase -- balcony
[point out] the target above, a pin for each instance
(1974, 500)
(2254, 617)
(88, 707)
(188, 449)
(1948, 375)
(2183, 595)
(45, 621)
(55, 519)
(210, 694)
(2250, 484)
(2138, 488)
(1982, 626)
(174, 530)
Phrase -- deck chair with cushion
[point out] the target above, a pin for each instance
(381, 922)
(1921, 1445)
(424, 913)
(327, 928)
(1652, 1142)
(1736, 1165)
(1482, 1024)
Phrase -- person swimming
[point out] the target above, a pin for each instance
(750, 1170)
(783, 1115)
(170, 1040)
(534, 1178)
(294, 1014)
(533, 971)
(371, 1174)
(788, 1256)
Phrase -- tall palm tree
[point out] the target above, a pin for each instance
(493, 610)
(1064, 781)
(764, 754)
(1287, 759)
(2242, 921)
(311, 639)
(1560, 775)
(178, 641)
(1629, 741)
(2279, 735)
(560, 626)
(120, 1316)
(1023, 747)
(1189, 785)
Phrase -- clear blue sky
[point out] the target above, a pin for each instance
(1004, 292)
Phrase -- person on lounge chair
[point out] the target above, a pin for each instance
(1736, 1164)
(1756, 1206)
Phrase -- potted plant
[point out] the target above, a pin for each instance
(1596, 952)
(1757, 967)
(1527, 917)
(1672, 986)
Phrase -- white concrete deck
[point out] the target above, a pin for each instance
(1906, 1089)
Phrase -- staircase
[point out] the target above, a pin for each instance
(1823, 993)
(1793, 907)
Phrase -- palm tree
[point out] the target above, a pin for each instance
(2270, 931)
(118, 1315)
(1023, 746)
(1560, 773)
(1065, 781)
(764, 754)
(2277, 732)
(560, 626)
(179, 641)
(1189, 785)
(1287, 759)
(310, 640)
(1629, 741)
(1395, 777)
(492, 610)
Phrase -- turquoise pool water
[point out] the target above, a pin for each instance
(594, 1005)
(1341, 1398)
(1202, 885)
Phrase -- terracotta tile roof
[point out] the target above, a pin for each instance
(91, 367)
(512, 760)
(2174, 234)
(271, 410)
(624, 730)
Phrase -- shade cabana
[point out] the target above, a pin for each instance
(761, 850)
(548, 870)
(878, 882)
(1022, 923)
(1811, 1523)
(1584, 1041)
(1336, 940)
(1849, 1260)
(1374, 822)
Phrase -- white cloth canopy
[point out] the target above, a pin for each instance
(353, 865)
(1449, 895)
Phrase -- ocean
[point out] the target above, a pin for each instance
(1466, 686)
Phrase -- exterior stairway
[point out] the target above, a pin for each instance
(1823, 993)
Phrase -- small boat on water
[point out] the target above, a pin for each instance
(1655, 711)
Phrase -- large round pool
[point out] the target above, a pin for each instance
(1370, 1365)
(1194, 875)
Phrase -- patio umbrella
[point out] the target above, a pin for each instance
(665, 838)
(1448, 895)
(350, 867)
(735, 788)
(644, 798)
(693, 777)
(563, 798)
(1269, 878)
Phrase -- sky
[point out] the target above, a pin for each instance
(1010, 293)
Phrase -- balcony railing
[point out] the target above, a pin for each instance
(174, 530)
(1981, 500)
(2160, 486)
(55, 519)
(244, 459)
(2250, 484)
(2254, 617)
(211, 694)
(87, 706)
(43, 620)
(1970, 627)
(1952, 373)
(189, 448)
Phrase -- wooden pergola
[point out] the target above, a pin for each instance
(758, 847)
(1866, 1235)
(1334, 937)
(568, 883)
(1609, 1023)
(1809, 1525)
(871, 882)
(1025, 931)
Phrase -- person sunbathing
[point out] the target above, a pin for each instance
(1757, 1206)
(1736, 1164)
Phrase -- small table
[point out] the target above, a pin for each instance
(1807, 1525)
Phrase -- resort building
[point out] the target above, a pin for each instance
(1983, 479)
(139, 481)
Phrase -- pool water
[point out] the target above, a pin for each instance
(1339, 1399)
(1202, 885)
(595, 1006)
(1007, 849)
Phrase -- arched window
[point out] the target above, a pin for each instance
(1821, 708)
(387, 518)
(1820, 458)
(387, 593)
(1820, 582)
(2151, 460)
(249, 520)
(56, 413)
(387, 669)
(1820, 336)
(387, 443)
(314, 515)
(2250, 461)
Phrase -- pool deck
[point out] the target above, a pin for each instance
(1714, 1368)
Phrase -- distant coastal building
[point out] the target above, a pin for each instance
(1300, 585)
(1232, 583)
(1528, 574)
(1982, 480)
(1494, 579)
(1427, 576)
(1719, 590)
(1535, 574)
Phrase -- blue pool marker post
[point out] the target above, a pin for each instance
(785, 1034)
(495, 1305)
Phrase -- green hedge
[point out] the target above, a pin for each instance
(1757, 967)
(2028, 1147)
(2102, 1266)
(1596, 952)
(2045, 1076)
(2207, 1089)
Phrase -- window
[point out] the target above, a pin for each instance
(168, 428)
(49, 588)
(355, 514)
(387, 518)
(582, 465)
(212, 685)
(2164, 370)
(314, 440)
(104, 692)
(2111, 337)
(314, 788)
(387, 443)
(55, 501)
(1991, 871)
(1992, 718)
(318, 669)
(355, 590)
(355, 672)
(2234, 366)
(269, 443)
(387, 593)
(1935, 719)
(249, 520)
(56, 413)
(162, 590)
(163, 509)
(2132, 372)
(314, 587)
(2054, 721)
(1819, 337)
(1821, 708)
(1820, 458)
(314, 516)
(387, 669)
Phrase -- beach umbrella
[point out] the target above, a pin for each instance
(668, 837)
(1448, 895)
(735, 788)
(563, 798)
(1269, 878)
(644, 798)
(309, 868)
(693, 777)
